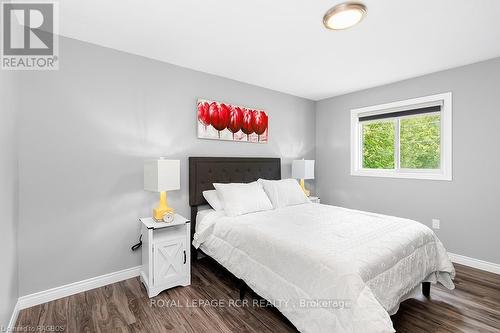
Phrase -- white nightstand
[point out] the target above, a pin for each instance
(314, 199)
(166, 257)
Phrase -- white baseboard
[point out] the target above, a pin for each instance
(13, 318)
(475, 263)
(76, 287)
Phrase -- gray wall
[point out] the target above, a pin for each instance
(8, 198)
(85, 131)
(468, 206)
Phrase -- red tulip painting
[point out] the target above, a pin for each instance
(223, 121)
(246, 126)
(259, 122)
(219, 116)
(235, 120)
(203, 114)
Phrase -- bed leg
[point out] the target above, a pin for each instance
(243, 287)
(194, 254)
(426, 289)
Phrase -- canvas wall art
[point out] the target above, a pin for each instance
(222, 121)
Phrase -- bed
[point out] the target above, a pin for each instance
(326, 268)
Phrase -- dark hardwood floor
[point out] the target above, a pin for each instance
(474, 306)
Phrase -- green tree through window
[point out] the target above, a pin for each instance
(378, 145)
(419, 142)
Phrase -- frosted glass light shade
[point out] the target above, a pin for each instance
(162, 175)
(344, 15)
(303, 169)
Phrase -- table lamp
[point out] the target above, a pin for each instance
(303, 169)
(161, 176)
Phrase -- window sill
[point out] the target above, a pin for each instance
(402, 174)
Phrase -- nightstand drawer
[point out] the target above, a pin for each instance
(169, 233)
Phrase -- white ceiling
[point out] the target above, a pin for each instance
(282, 44)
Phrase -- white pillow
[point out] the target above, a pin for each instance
(239, 199)
(213, 199)
(286, 192)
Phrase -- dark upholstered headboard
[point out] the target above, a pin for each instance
(204, 171)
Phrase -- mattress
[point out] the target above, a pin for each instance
(327, 268)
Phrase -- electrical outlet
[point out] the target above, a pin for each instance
(435, 223)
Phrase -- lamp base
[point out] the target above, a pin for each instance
(306, 191)
(163, 208)
(159, 213)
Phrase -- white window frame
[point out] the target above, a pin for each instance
(444, 173)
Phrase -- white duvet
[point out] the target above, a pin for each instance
(326, 268)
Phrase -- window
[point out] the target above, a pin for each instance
(406, 139)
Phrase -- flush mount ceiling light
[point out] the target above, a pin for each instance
(344, 15)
